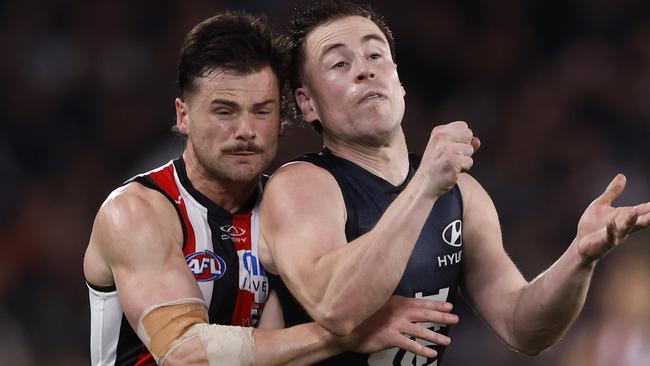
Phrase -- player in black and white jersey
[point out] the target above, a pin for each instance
(172, 265)
(362, 220)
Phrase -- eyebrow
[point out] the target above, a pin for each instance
(229, 103)
(372, 36)
(264, 103)
(364, 39)
(232, 104)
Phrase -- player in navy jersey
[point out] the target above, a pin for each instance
(172, 266)
(362, 220)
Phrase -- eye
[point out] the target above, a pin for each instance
(222, 112)
(339, 65)
(375, 56)
(263, 111)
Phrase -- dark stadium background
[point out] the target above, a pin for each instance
(558, 91)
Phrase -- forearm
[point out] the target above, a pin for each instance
(357, 279)
(300, 345)
(303, 344)
(550, 303)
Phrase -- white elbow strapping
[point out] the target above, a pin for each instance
(227, 345)
(164, 328)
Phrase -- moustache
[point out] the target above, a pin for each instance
(243, 148)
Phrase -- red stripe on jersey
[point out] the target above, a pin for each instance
(243, 221)
(242, 313)
(145, 358)
(243, 305)
(165, 180)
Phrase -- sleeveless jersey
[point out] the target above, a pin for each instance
(221, 251)
(433, 270)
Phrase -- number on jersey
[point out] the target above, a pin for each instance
(397, 356)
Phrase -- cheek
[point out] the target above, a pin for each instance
(334, 86)
(267, 130)
(271, 134)
(212, 132)
(394, 76)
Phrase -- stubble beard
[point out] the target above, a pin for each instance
(217, 168)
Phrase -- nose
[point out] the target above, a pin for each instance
(245, 128)
(365, 72)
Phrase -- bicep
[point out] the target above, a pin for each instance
(491, 282)
(141, 242)
(302, 219)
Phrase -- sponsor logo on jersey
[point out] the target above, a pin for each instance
(256, 312)
(252, 277)
(449, 259)
(251, 264)
(206, 266)
(232, 232)
(453, 233)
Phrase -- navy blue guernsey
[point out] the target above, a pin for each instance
(433, 270)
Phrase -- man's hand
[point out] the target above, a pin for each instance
(394, 324)
(448, 153)
(602, 227)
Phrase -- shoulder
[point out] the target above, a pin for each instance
(476, 200)
(301, 188)
(133, 217)
(469, 186)
(132, 205)
(298, 175)
(302, 184)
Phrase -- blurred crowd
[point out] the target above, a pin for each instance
(558, 92)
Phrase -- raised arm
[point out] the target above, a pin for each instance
(341, 284)
(530, 317)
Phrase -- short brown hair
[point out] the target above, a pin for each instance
(233, 41)
(302, 23)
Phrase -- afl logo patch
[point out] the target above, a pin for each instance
(453, 234)
(206, 266)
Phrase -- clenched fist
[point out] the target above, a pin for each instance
(448, 153)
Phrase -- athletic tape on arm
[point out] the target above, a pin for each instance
(165, 327)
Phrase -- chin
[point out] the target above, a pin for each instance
(380, 123)
(250, 171)
(245, 174)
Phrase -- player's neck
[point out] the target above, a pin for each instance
(388, 161)
(231, 196)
